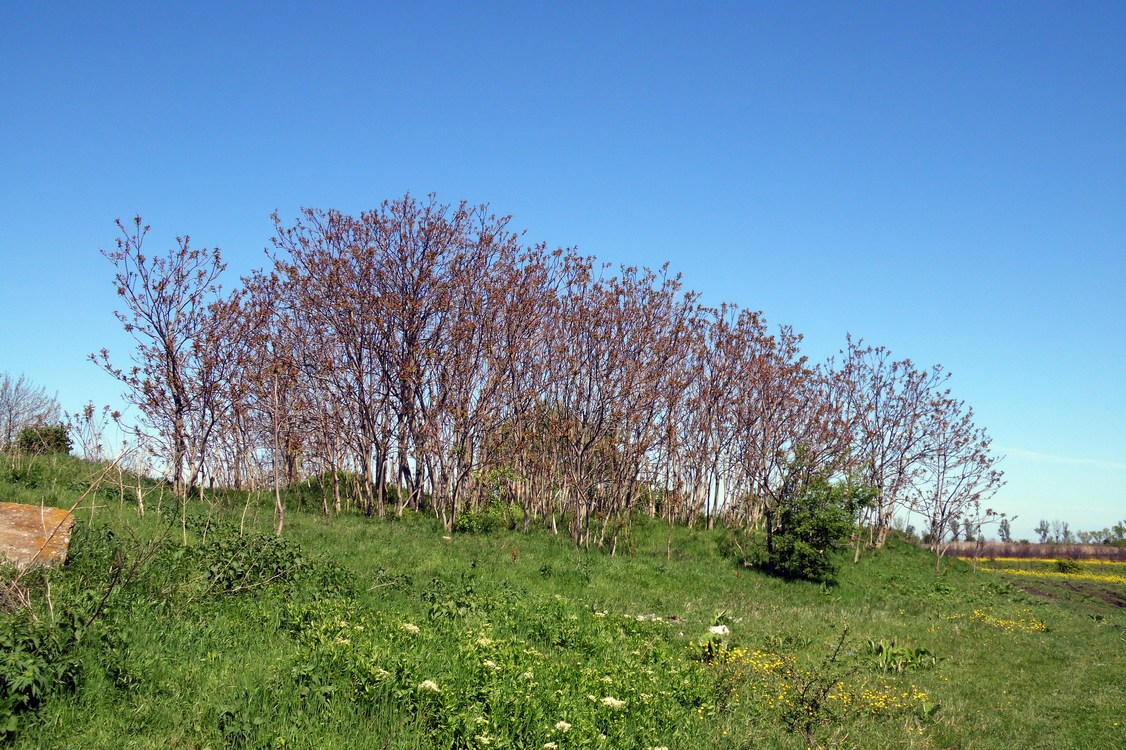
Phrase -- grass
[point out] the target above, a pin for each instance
(338, 636)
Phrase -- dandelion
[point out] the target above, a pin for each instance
(411, 628)
(562, 726)
(428, 685)
(613, 703)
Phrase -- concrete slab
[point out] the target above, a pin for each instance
(34, 535)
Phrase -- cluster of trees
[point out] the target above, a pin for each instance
(24, 406)
(1059, 532)
(422, 355)
(31, 421)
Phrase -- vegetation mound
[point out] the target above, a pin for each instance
(210, 631)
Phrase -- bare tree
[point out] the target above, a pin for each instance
(887, 402)
(172, 310)
(961, 471)
(23, 405)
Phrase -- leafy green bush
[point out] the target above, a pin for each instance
(807, 528)
(496, 516)
(44, 440)
(1069, 566)
(36, 659)
(891, 657)
(234, 563)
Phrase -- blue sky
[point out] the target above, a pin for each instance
(944, 179)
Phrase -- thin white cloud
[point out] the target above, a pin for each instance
(1048, 458)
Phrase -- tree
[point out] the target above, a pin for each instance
(1004, 531)
(1061, 532)
(886, 405)
(171, 311)
(961, 471)
(23, 405)
(1043, 531)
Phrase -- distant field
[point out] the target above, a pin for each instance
(1038, 551)
(1087, 585)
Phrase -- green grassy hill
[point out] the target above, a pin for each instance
(353, 633)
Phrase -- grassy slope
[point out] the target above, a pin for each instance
(175, 664)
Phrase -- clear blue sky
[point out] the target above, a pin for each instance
(945, 179)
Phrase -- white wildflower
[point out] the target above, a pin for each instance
(613, 703)
(490, 664)
(719, 630)
(527, 676)
(549, 746)
(411, 628)
(428, 685)
(562, 726)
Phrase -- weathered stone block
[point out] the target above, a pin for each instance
(32, 535)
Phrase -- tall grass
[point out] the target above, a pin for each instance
(354, 633)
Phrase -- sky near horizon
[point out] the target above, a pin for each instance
(945, 179)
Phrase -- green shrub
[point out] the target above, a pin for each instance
(234, 563)
(44, 440)
(496, 516)
(891, 657)
(36, 659)
(807, 528)
(1069, 566)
